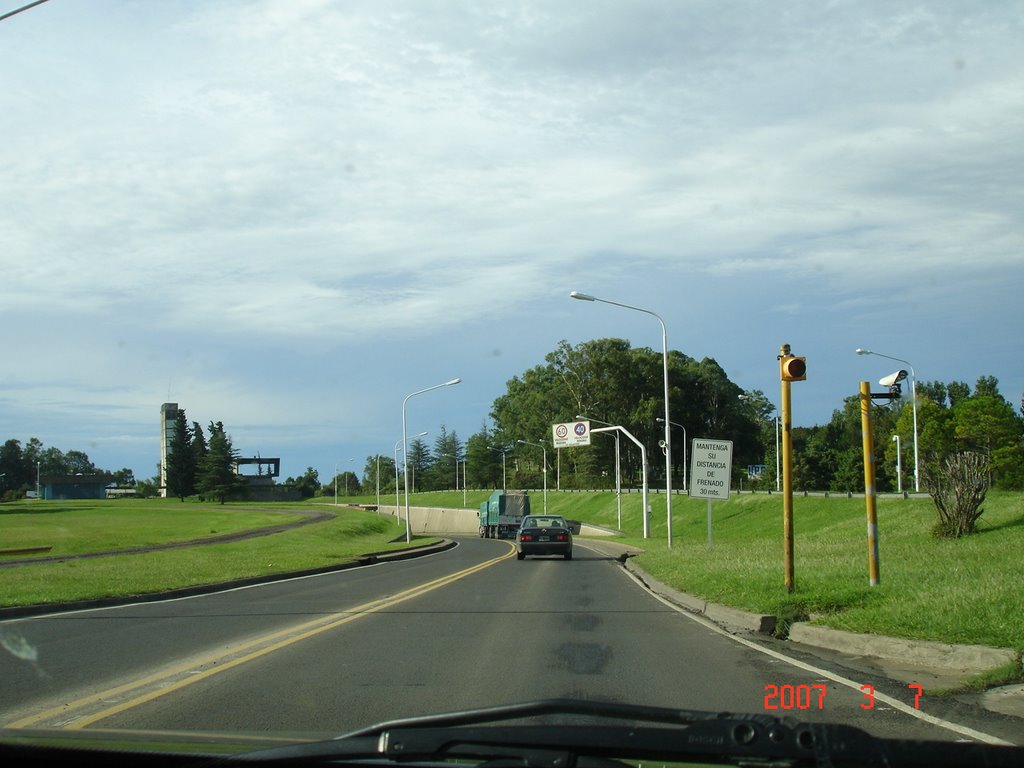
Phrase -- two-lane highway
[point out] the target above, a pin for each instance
(466, 628)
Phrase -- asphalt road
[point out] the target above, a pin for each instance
(466, 628)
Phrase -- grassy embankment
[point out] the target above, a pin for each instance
(80, 527)
(965, 591)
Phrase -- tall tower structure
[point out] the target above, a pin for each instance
(168, 427)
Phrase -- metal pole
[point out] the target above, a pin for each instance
(408, 531)
(778, 474)
(869, 481)
(643, 465)
(899, 465)
(913, 396)
(668, 429)
(787, 488)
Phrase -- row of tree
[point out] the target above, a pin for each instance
(607, 380)
(201, 465)
(22, 466)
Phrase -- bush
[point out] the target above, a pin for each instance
(958, 486)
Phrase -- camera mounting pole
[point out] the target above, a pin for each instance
(869, 477)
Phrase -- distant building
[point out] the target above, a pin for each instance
(168, 428)
(64, 487)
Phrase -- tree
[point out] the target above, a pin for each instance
(217, 476)
(13, 473)
(307, 485)
(198, 446)
(986, 424)
(957, 391)
(182, 466)
(78, 463)
(483, 460)
(444, 469)
(387, 473)
(610, 381)
(123, 478)
(418, 458)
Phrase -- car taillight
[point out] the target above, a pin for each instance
(562, 537)
(525, 537)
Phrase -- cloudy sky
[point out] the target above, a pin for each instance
(290, 214)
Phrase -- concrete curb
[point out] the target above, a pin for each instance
(958, 660)
(966, 660)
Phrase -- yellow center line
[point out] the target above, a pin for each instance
(81, 712)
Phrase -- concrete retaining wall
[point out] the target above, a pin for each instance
(443, 520)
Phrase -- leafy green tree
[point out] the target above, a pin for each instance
(308, 484)
(123, 478)
(987, 424)
(957, 391)
(931, 390)
(13, 473)
(607, 380)
(386, 465)
(78, 463)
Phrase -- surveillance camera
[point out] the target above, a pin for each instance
(662, 443)
(893, 378)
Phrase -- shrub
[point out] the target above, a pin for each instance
(958, 485)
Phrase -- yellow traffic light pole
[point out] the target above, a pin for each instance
(787, 487)
(791, 368)
(869, 482)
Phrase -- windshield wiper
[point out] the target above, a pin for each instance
(626, 731)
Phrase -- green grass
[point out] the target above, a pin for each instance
(350, 534)
(74, 527)
(963, 591)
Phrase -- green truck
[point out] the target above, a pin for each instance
(502, 513)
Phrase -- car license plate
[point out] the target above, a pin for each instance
(543, 538)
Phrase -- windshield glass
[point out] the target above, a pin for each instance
(309, 307)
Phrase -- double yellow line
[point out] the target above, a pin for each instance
(88, 710)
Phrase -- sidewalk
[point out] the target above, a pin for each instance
(932, 664)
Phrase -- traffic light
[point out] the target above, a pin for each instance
(793, 368)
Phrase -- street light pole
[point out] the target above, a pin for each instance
(398, 503)
(668, 428)
(543, 448)
(408, 530)
(913, 403)
(643, 471)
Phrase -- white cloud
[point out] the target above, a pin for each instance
(301, 176)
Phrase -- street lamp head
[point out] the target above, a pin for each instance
(581, 296)
(864, 351)
(453, 381)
